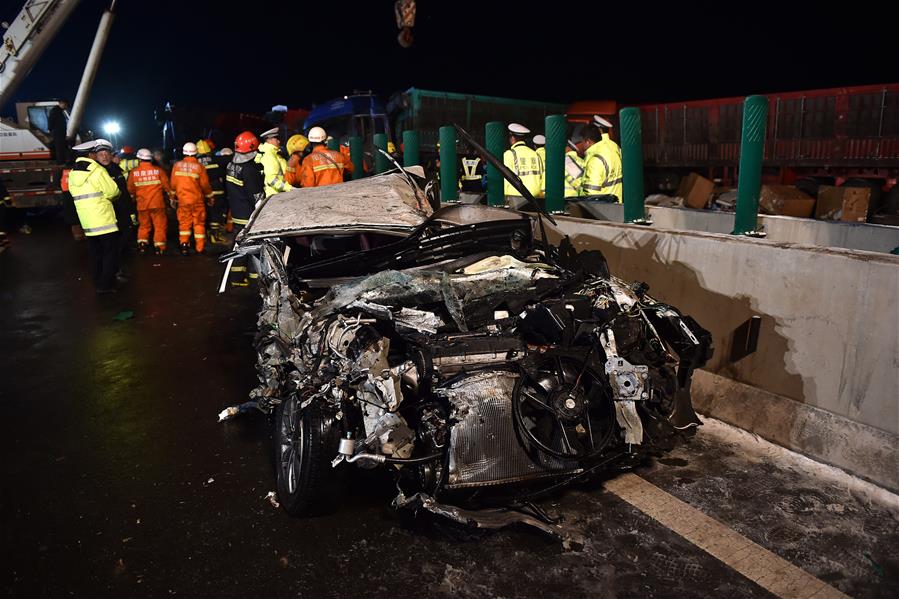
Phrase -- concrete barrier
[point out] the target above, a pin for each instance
(825, 377)
(853, 236)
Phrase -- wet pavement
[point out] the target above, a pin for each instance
(118, 480)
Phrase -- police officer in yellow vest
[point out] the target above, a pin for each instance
(273, 165)
(93, 193)
(602, 168)
(607, 142)
(524, 162)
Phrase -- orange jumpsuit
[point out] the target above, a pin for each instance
(292, 174)
(190, 185)
(322, 167)
(146, 184)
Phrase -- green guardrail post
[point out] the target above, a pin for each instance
(632, 166)
(333, 144)
(357, 158)
(449, 172)
(410, 149)
(556, 128)
(381, 163)
(495, 136)
(752, 151)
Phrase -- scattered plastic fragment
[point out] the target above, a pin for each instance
(273, 499)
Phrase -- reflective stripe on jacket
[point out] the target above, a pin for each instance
(146, 184)
(322, 167)
(190, 183)
(273, 168)
(602, 172)
(93, 191)
(524, 162)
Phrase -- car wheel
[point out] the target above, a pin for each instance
(305, 443)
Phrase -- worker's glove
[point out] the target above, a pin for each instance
(174, 203)
(133, 220)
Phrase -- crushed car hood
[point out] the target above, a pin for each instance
(386, 203)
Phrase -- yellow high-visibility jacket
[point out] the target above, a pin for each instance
(273, 169)
(602, 172)
(524, 162)
(93, 192)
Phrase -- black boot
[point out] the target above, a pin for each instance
(143, 248)
(185, 249)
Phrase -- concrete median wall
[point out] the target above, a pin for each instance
(825, 377)
(853, 236)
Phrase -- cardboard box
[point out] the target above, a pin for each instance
(696, 190)
(849, 204)
(785, 200)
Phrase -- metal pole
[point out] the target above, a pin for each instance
(449, 182)
(90, 71)
(410, 149)
(632, 165)
(356, 157)
(381, 163)
(495, 133)
(752, 150)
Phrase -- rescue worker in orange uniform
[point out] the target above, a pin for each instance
(322, 166)
(190, 186)
(295, 147)
(146, 183)
(347, 160)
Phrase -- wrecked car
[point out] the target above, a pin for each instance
(455, 348)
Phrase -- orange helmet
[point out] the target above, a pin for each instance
(246, 142)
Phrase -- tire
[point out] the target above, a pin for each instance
(305, 443)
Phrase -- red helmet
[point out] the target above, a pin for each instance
(127, 150)
(245, 142)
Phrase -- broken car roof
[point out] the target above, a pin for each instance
(385, 203)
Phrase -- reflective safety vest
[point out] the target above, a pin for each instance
(470, 169)
(322, 167)
(602, 173)
(93, 192)
(273, 169)
(525, 163)
(574, 174)
(128, 164)
(190, 182)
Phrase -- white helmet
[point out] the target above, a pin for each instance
(317, 135)
(144, 154)
(226, 152)
(189, 149)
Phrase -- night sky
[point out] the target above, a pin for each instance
(249, 56)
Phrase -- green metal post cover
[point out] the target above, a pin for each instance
(495, 135)
(333, 144)
(410, 149)
(556, 128)
(632, 164)
(356, 157)
(752, 151)
(449, 172)
(381, 163)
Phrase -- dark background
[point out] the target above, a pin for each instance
(249, 56)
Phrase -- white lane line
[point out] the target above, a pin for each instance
(753, 561)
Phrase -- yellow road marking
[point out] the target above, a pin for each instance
(753, 561)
